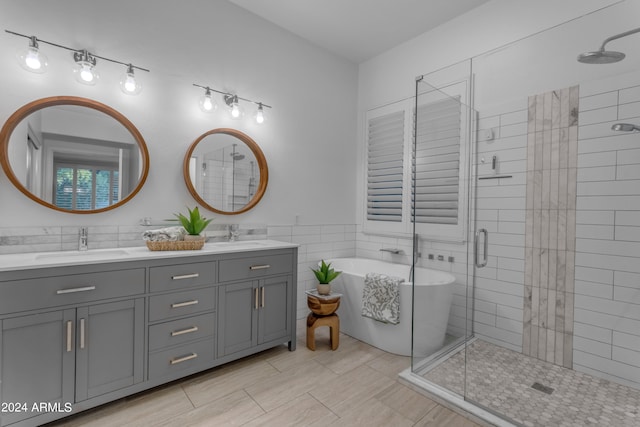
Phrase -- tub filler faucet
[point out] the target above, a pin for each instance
(83, 239)
(392, 250)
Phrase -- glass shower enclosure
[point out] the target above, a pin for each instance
(526, 189)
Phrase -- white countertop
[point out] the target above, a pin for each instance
(31, 260)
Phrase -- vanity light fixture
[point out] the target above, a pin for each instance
(128, 82)
(260, 114)
(32, 59)
(84, 71)
(236, 111)
(207, 104)
(232, 101)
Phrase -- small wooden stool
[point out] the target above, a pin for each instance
(323, 314)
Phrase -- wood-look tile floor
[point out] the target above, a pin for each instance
(355, 385)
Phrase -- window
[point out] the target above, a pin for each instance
(85, 187)
(441, 135)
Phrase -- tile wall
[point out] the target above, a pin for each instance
(552, 146)
(607, 285)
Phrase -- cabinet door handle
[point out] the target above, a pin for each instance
(82, 333)
(72, 290)
(184, 304)
(262, 297)
(255, 297)
(184, 331)
(259, 267)
(185, 276)
(69, 336)
(183, 358)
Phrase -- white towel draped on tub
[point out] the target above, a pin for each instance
(381, 298)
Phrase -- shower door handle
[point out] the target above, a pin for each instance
(486, 248)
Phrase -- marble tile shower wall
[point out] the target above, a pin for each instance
(607, 274)
(316, 242)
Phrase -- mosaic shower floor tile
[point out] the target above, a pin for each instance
(536, 393)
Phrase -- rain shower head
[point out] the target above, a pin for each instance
(602, 56)
(625, 127)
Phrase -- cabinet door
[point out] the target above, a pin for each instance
(274, 316)
(109, 347)
(237, 323)
(37, 364)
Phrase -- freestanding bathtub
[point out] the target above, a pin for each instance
(433, 293)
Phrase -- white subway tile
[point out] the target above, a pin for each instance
(593, 347)
(509, 227)
(516, 215)
(593, 332)
(632, 342)
(628, 157)
(596, 275)
(627, 279)
(514, 117)
(606, 306)
(628, 295)
(499, 298)
(594, 231)
(627, 217)
(627, 172)
(499, 335)
(600, 115)
(606, 158)
(630, 94)
(601, 173)
(513, 130)
(600, 100)
(598, 290)
(627, 356)
(630, 203)
(607, 321)
(629, 111)
(595, 217)
(613, 262)
(626, 233)
(511, 325)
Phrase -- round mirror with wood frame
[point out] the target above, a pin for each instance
(73, 154)
(225, 171)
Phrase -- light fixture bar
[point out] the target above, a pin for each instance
(232, 94)
(76, 50)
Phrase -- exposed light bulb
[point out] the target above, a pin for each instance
(235, 111)
(128, 82)
(260, 114)
(206, 102)
(84, 71)
(32, 59)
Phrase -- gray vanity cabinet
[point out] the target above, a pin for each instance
(83, 349)
(36, 366)
(258, 309)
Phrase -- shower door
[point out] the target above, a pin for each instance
(443, 219)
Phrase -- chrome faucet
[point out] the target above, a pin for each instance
(83, 239)
(233, 232)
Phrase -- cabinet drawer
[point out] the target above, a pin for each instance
(255, 267)
(181, 303)
(29, 294)
(180, 360)
(181, 276)
(181, 331)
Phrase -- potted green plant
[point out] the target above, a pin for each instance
(193, 224)
(325, 274)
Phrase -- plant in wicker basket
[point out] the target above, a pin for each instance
(194, 224)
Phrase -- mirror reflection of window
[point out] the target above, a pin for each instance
(86, 187)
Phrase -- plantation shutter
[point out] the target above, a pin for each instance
(436, 163)
(385, 167)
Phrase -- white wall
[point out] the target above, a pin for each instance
(308, 138)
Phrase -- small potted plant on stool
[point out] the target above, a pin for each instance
(325, 274)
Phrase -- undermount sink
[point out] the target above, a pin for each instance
(98, 253)
(240, 244)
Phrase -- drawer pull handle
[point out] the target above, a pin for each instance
(69, 335)
(183, 358)
(82, 333)
(73, 290)
(255, 298)
(186, 276)
(259, 267)
(184, 304)
(262, 297)
(184, 331)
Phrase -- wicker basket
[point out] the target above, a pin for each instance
(181, 245)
